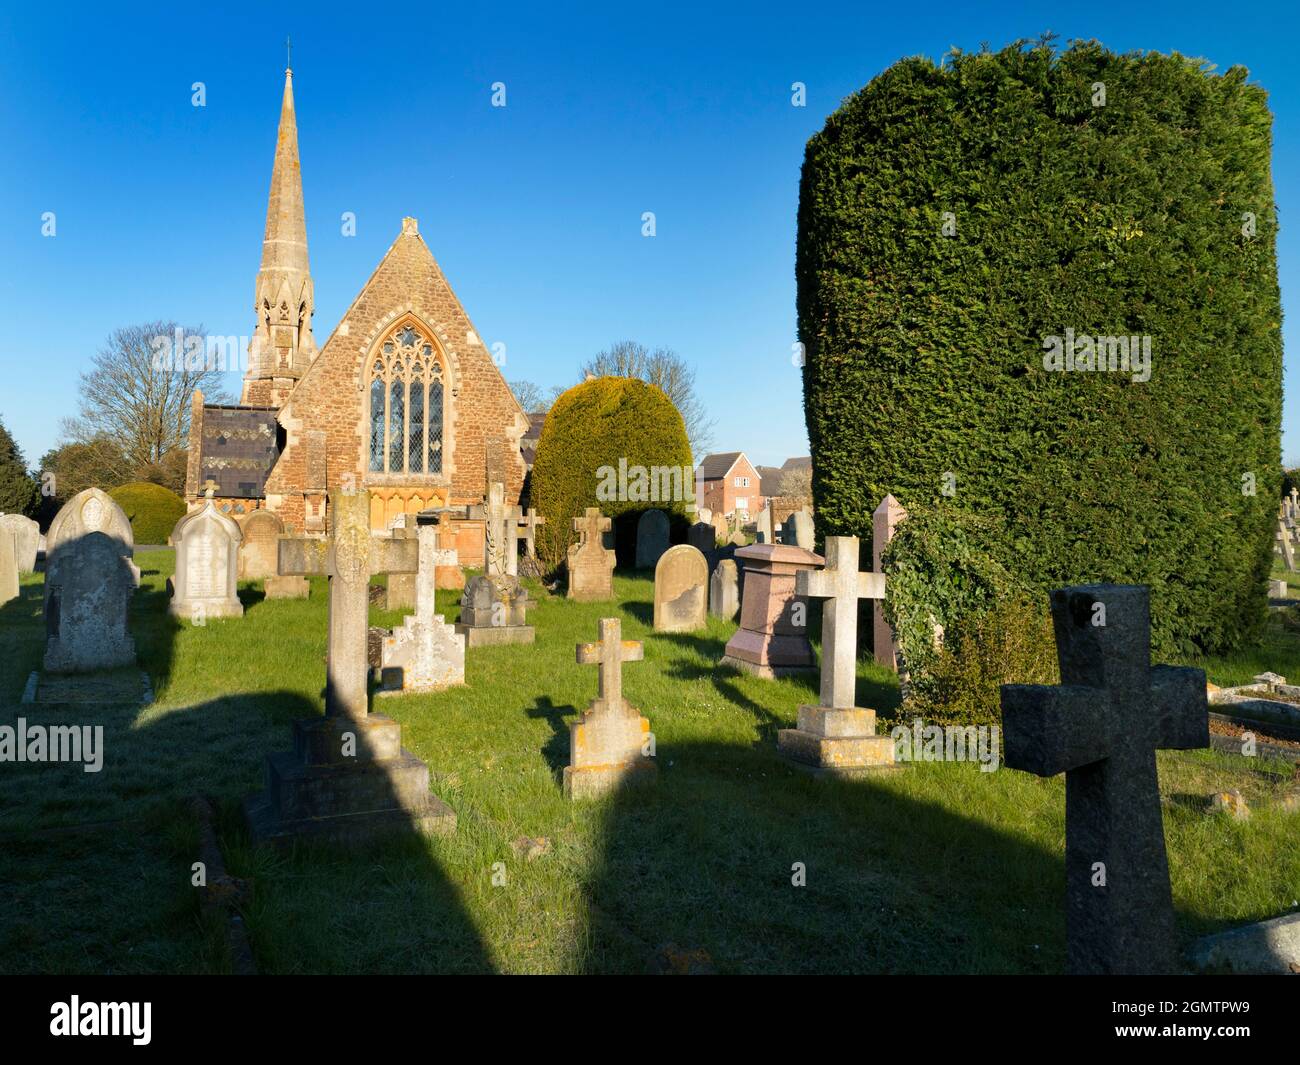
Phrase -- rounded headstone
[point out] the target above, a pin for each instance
(651, 538)
(681, 583)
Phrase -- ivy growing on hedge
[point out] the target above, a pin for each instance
(606, 424)
(954, 217)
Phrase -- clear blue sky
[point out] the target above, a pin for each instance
(534, 210)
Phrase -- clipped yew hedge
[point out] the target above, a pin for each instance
(152, 510)
(953, 218)
(592, 426)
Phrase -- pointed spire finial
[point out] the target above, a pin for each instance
(288, 55)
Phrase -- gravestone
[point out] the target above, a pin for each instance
(724, 590)
(764, 532)
(1101, 727)
(702, 537)
(259, 549)
(591, 563)
(772, 640)
(529, 523)
(449, 575)
(8, 566)
(681, 586)
(704, 514)
(92, 510)
(883, 522)
(721, 530)
(88, 587)
(493, 610)
(347, 778)
(27, 537)
(610, 746)
(399, 593)
(424, 653)
(500, 533)
(207, 565)
(837, 737)
(651, 538)
(797, 530)
(1284, 545)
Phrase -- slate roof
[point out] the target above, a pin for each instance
(238, 449)
(714, 467)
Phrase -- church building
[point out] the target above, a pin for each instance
(403, 399)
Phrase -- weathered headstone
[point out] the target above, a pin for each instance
(797, 530)
(8, 566)
(1277, 589)
(424, 653)
(207, 565)
(258, 550)
(1101, 727)
(681, 590)
(837, 736)
(702, 537)
(724, 590)
(399, 592)
(591, 563)
(651, 538)
(347, 777)
(88, 587)
(500, 533)
(704, 514)
(721, 530)
(493, 610)
(883, 522)
(27, 537)
(610, 745)
(92, 510)
(772, 640)
(764, 534)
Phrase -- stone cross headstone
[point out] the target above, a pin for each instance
(425, 653)
(681, 590)
(1101, 727)
(27, 538)
(207, 565)
(591, 563)
(88, 587)
(610, 745)
(500, 533)
(838, 736)
(772, 640)
(883, 522)
(8, 565)
(348, 777)
(259, 556)
(724, 589)
(651, 538)
(529, 522)
(1283, 539)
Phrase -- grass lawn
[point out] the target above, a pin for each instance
(937, 868)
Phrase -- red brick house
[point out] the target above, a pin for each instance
(730, 483)
(403, 399)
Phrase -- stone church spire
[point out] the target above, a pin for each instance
(283, 346)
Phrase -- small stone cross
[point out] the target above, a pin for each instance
(609, 654)
(841, 584)
(529, 523)
(1101, 727)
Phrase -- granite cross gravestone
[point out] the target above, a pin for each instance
(838, 737)
(591, 563)
(347, 777)
(1101, 728)
(651, 538)
(608, 744)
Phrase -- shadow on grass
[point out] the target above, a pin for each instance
(698, 872)
(556, 749)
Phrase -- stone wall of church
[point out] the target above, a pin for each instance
(485, 422)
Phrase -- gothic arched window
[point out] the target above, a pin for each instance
(406, 405)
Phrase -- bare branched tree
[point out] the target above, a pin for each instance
(665, 368)
(795, 485)
(137, 392)
(530, 397)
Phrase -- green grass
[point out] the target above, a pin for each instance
(937, 868)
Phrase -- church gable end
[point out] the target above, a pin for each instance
(450, 422)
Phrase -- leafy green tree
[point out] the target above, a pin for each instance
(19, 494)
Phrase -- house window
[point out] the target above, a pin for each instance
(406, 405)
(742, 502)
(742, 482)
